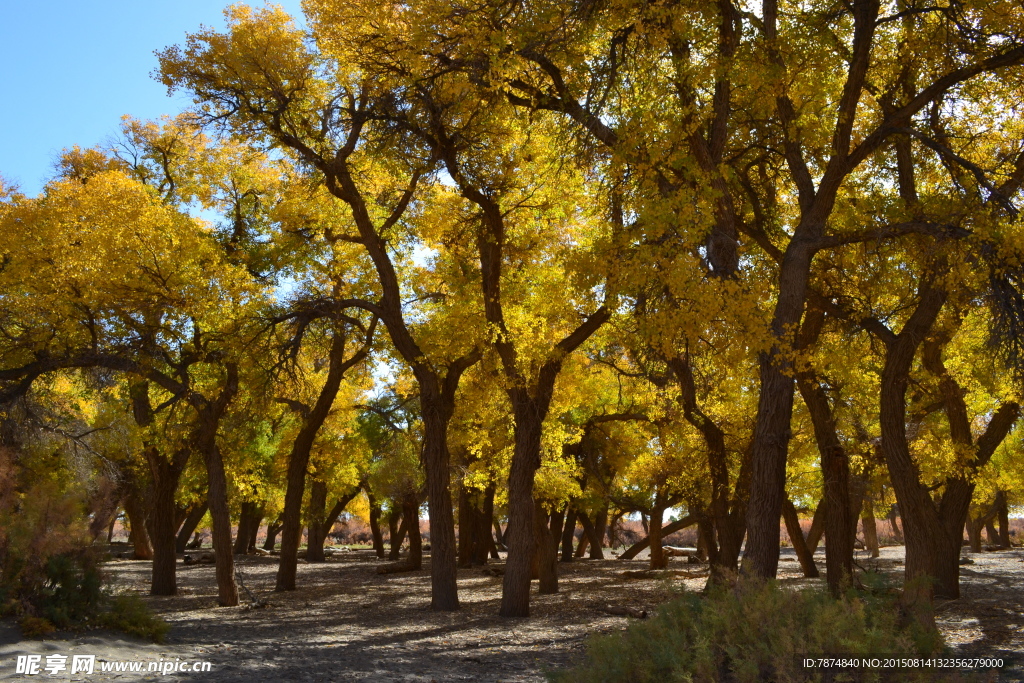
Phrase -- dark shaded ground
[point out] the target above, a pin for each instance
(347, 623)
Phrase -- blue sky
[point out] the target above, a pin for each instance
(72, 69)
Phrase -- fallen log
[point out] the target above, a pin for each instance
(675, 551)
(640, 546)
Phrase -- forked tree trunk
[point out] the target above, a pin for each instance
(248, 519)
(796, 537)
(600, 527)
(397, 532)
(273, 529)
(188, 527)
(990, 531)
(298, 460)
(411, 519)
(593, 539)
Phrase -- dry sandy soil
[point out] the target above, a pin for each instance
(347, 623)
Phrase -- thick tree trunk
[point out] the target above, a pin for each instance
(584, 543)
(600, 526)
(378, 538)
(254, 530)
(437, 409)
(796, 537)
(990, 531)
(519, 537)
(166, 475)
(137, 522)
(658, 558)
(468, 527)
(315, 534)
(483, 541)
(974, 533)
(546, 549)
(248, 521)
(188, 527)
(596, 553)
(227, 592)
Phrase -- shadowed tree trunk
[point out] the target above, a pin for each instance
(796, 537)
(1003, 513)
(273, 529)
(378, 538)
(315, 534)
(137, 523)
(192, 519)
(411, 520)
(248, 520)
(568, 532)
(658, 558)
(546, 549)
(593, 540)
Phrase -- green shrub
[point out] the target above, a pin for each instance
(129, 614)
(754, 631)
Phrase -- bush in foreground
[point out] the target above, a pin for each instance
(756, 631)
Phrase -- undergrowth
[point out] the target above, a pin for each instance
(756, 631)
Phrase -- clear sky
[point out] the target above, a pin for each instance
(71, 69)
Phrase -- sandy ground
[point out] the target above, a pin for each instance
(347, 623)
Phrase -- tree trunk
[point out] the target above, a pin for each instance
(894, 524)
(584, 543)
(137, 522)
(298, 462)
(411, 519)
(546, 550)
(840, 519)
(188, 527)
(796, 537)
(658, 558)
(990, 531)
(468, 526)
(870, 529)
(254, 530)
(568, 532)
(519, 537)
(974, 533)
(613, 530)
(378, 539)
(499, 535)
(248, 521)
(397, 532)
(273, 529)
(1003, 513)
(592, 537)
(483, 540)
(315, 535)
(437, 408)
(600, 526)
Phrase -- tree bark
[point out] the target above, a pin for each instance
(546, 549)
(411, 519)
(315, 534)
(483, 541)
(594, 541)
(378, 538)
(398, 532)
(1003, 513)
(273, 529)
(468, 527)
(658, 558)
(188, 527)
(137, 522)
(796, 537)
(568, 533)
(248, 519)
